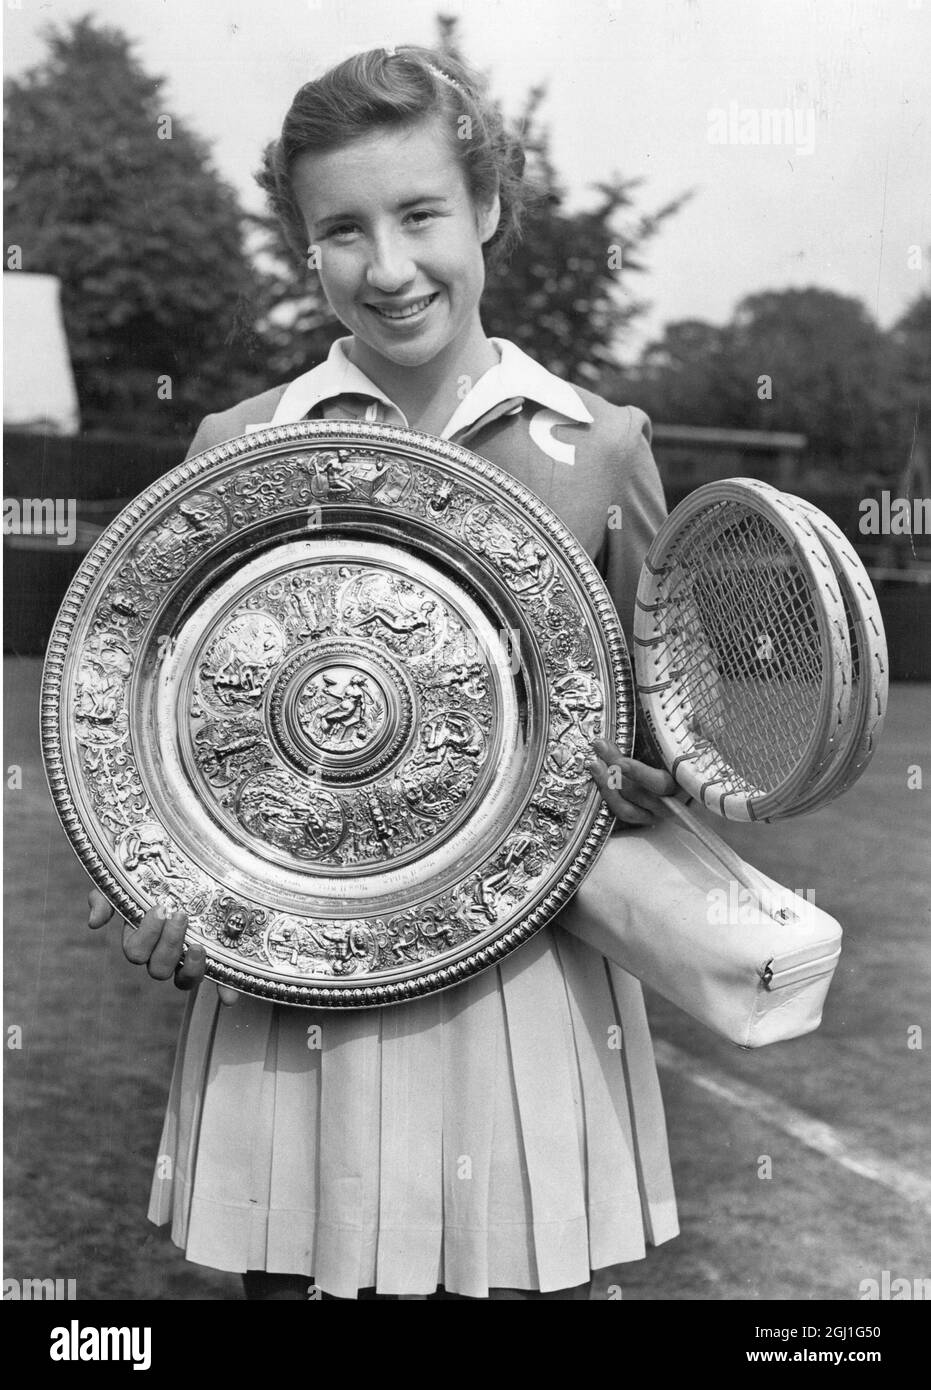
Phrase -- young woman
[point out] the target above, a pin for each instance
(492, 1140)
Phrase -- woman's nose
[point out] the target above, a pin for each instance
(390, 268)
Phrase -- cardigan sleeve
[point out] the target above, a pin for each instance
(228, 424)
(205, 436)
(639, 507)
(638, 511)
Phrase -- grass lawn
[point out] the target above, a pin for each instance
(86, 1090)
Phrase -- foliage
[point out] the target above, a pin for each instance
(806, 360)
(145, 237)
(564, 295)
(911, 345)
(164, 276)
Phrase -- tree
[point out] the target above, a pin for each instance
(564, 294)
(911, 343)
(805, 360)
(831, 372)
(295, 324)
(106, 189)
(687, 377)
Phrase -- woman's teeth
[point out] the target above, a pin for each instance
(405, 313)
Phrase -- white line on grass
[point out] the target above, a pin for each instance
(843, 1148)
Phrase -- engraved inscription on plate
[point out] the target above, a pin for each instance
(343, 716)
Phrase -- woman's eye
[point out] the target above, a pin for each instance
(422, 216)
(343, 231)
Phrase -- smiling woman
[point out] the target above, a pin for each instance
(494, 1140)
(402, 181)
(400, 262)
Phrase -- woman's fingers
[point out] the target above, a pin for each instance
(168, 949)
(639, 777)
(139, 942)
(613, 793)
(632, 790)
(191, 970)
(157, 942)
(100, 909)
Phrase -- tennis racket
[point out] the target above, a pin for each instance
(869, 669)
(869, 678)
(742, 650)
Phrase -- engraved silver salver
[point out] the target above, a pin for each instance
(330, 687)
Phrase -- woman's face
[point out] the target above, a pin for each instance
(399, 240)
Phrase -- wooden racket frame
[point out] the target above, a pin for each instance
(654, 682)
(867, 712)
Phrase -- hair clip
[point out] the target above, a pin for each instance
(445, 77)
(437, 72)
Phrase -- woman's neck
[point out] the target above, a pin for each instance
(429, 394)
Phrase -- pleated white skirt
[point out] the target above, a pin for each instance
(507, 1133)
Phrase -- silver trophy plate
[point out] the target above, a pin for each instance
(329, 687)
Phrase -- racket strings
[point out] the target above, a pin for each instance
(743, 649)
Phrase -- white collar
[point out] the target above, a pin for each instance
(515, 375)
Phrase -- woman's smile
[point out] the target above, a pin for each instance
(410, 312)
(400, 254)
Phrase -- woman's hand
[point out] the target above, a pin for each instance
(158, 944)
(632, 790)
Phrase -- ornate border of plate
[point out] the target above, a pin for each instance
(105, 591)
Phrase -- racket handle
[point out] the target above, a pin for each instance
(768, 897)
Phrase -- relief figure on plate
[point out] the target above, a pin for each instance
(227, 749)
(448, 736)
(519, 865)
(241, 657)
(412, 935)
(330, 478)
(402, 619)
(341, 707)
(578, 697)
(307, 606)
(467, 677)
(279, 808)
(99, 711)
(166, 551)
(344, 948)
(525, 564)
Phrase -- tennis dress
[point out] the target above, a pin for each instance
(504, 1134)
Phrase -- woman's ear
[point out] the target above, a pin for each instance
(488, 218)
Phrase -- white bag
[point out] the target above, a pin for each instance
(661, 905)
